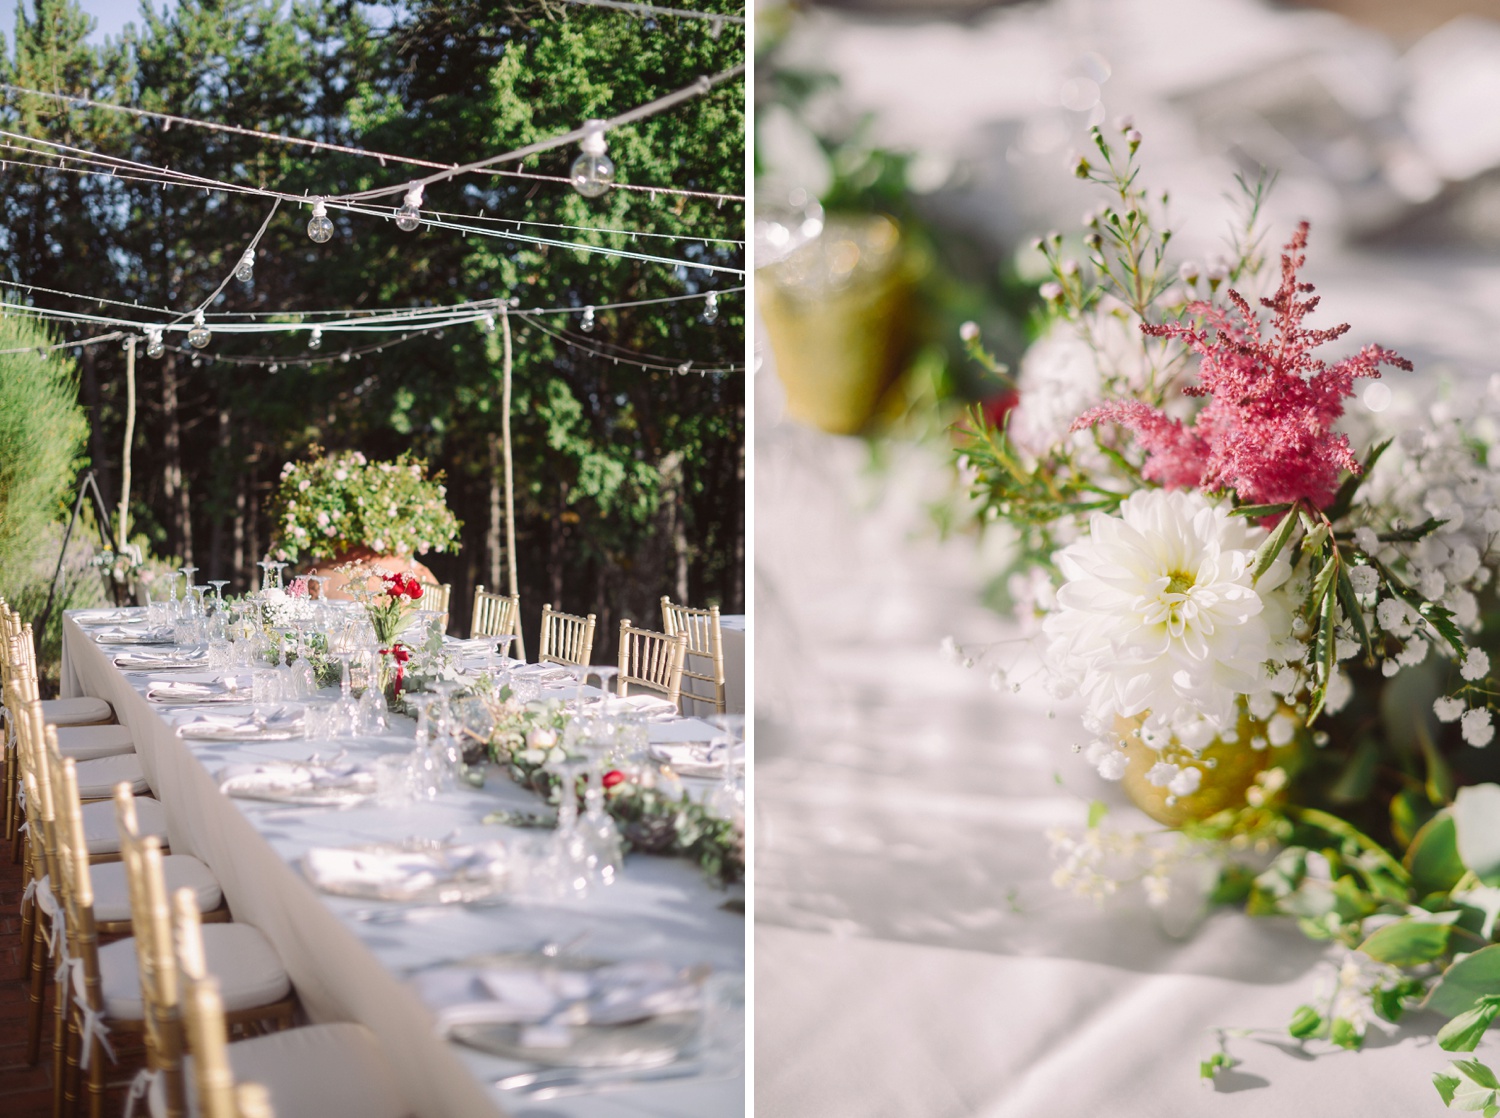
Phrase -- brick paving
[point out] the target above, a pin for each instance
(26, 1092)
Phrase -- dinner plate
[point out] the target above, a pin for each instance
(649, 1042)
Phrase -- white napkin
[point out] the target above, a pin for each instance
(188, 691)
(550, 999)
(544, 673)
(94, 617)
(287, 777)
(652, 706)
(160, 661)
(698, 758)
(398, 873)
(280, 724)
(133, 634)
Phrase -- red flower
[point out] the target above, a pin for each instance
(1267, 432)
(613, 777)
(413, 588)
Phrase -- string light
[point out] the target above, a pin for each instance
(701, 86)
(154, 348)
(593, 171)
(409, 215)
(199, 336)
(245, 270)
(627, 357)
(716, 19)
(320, 229)
(587, 325)
(317, 338)
(711, 308)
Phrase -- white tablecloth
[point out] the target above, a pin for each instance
(346, 969)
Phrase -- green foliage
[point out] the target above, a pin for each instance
(42, 433)
(338, 502)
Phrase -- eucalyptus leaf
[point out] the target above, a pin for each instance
(1432, 858)
(1406, 943)
(1463, 1033)
(1271, 547)
(1465, 982)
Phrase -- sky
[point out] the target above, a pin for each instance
(112, 15)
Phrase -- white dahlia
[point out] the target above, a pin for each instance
(1159, 614)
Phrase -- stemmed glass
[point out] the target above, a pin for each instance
(427, 771)
(371, 699)
(596, 739)
(445, 736)
(218, 584)
(278, 568)
(319, 582)
(265, 566)
(727, 799)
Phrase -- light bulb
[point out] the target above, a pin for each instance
(320, 229)
(587, 325)
(275, 368)
(316, 340)
(198, 336)
(409, 216)
(593, 171)
(711, 308)
(244, 271)
(487, 323)
(154, 348)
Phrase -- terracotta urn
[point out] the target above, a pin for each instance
(337, 586)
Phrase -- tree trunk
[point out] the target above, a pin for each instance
(99, 452)
(216, 539)
(555, 543)
(492, 539)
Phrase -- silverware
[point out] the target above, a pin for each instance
(559, 1083)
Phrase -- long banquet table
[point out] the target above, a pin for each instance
(348, 966)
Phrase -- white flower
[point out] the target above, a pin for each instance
(1431, 583)
(304, 485)
(1448, 709)
(1283, 727)
(1477, 728)
(1396, 617)
(1364, 579)
(1340, 691)
(1162, 774)
(1112, 765)
(1464, 563)
(1490, 521)
(1366, 540)
(1159, 614)
(341, 474)
(1186, 782)
(1476, 665)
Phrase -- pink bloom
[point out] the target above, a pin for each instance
(1267, 431)
(298, 587)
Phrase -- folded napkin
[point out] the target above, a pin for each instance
(133, 634)
(698, 758)
(653, 707)
(280, 724)
(160, 661)
(544, 673)
(289, 778)
(186, 691)
(395, 873)
(94, 617)
(549, 1000)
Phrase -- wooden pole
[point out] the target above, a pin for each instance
(123, 539)
(510, 479)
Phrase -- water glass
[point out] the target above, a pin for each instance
(265, 686)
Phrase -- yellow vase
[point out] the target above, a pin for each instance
(837, 312)
(1230, 770)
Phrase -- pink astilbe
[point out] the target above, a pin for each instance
(1267, 432)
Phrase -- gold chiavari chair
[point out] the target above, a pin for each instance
(17, 656)
(107, 1000)
(436, 595)
(704, 639)
(651, 660)
(498, 615)
(318, 1071)
(566, 638)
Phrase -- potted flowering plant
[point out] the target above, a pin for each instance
(1274, 635)
(344, 508)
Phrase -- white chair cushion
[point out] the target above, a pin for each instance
(321, 1071)
(242, 959)
(85, 743)
(101, 832)
(182, 871)
(76, 712)
(97, 778)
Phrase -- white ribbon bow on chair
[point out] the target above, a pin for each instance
(94, 1027)
(140, 1087)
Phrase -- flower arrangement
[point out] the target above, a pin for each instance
(1274, 626)
(336, 503)
(654, 814)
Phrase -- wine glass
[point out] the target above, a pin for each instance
(265, 566)
(427, 772)
(278, 568)
(727, 798)
(318, 583)
(218, 584)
